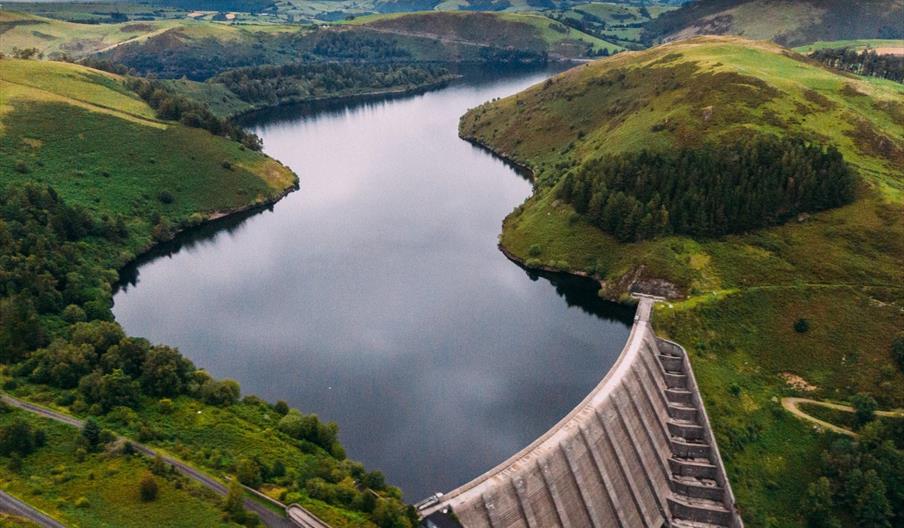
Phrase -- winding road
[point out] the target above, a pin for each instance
(792, 405)
(269, 517)
(14, 506)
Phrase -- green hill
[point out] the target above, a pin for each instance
(788, 22)
(706, 103)
(531, 32)
(116, 156)
(57, 37)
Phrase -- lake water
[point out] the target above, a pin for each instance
(375, 296)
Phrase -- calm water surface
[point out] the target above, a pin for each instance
(376, 296)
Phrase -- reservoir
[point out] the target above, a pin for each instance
(375, 296)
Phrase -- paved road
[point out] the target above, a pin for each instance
(269, 517)
(792, 406)
(304, 518)
(14, 506)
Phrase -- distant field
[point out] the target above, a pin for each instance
(859, 44)
(528, 31)
(57, 37)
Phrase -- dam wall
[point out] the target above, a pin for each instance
(638, 451)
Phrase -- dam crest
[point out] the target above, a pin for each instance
(638, 451)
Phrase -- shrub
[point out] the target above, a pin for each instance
(166, 197)
(897, 350)
(166, 406)
(148, 488)
(864, 408)
(281, 407)
(535, 250)
(91, 433)
(82, 502)
(248, 472)
(22, 167)
(801, 326)
(19, 438)
(226, 164)
(225, 392)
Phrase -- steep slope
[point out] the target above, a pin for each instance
(838, 270)
(788, 22)
(115, 156)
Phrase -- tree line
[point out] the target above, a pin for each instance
(174, 107)
(709, 191)
(274, 84)
(866, 62)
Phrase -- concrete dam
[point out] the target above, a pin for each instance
(638, 451)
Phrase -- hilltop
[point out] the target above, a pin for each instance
(787, 22)
(738, 298)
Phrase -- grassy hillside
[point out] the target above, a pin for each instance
(116, 157)
(742, 294)
(532, 32)
(58, 37)
(788, 22)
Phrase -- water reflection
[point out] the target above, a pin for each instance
(376, 296)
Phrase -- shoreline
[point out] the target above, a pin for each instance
(363, 96)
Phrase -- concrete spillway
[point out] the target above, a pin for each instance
(637, 452)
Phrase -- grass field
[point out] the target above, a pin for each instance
(739, 296)
(859, 44)
(116, 157)
(101, 489)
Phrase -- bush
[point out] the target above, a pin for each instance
(281, 407)
(897, 350)
(91, 433)
(248, 473)
(864, 408)
(535, 250)
(82, 502)
(801, 326)
(22, 167)
(19, 438)
(166, 197)
(148, 488)
(222, 393)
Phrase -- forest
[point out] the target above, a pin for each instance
(710, 191)
(270, 85)
(866, 62)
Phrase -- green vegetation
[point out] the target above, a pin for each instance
(750, 185)
(866, 476)
(787, 22)
(738, 299)
(866, 62)
(86, 487)
(77, 204)
(272, 85)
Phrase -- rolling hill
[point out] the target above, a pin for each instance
(117, 157)
(736, 297)
(787, 22)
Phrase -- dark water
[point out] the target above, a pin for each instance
(376, 296)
